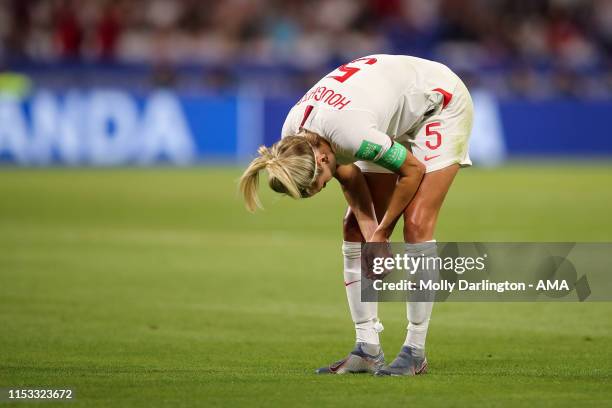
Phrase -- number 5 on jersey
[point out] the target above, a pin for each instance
(350, 71)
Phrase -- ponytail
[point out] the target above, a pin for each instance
(291, 168)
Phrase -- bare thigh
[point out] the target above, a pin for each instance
(421, 215)
(381, 187)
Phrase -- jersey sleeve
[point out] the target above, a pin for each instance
(358, 137)
(288, 128)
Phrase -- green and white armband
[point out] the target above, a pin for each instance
(392, 159)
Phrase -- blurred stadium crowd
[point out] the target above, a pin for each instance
(516, 48)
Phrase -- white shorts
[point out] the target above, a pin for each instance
(442, 139)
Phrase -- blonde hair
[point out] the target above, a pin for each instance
(291, 167)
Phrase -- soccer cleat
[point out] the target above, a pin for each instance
(409, 361)
(358, 361)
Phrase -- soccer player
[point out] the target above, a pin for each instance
(394, 131)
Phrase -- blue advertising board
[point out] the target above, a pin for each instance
(112, 127)
(106, 127)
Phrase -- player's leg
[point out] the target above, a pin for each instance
(420, 218)
(367, 355)
(442, 144)
(365, 315)
(421, 215)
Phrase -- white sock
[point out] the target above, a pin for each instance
(419, 313)
(364, 314)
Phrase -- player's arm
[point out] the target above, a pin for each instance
(358, 197)
(356, 133)
(410, 172)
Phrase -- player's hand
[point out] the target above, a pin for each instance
(372, 252)
(379, 236)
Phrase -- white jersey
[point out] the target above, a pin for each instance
(363, 106)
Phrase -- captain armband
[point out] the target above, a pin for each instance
(393, 158)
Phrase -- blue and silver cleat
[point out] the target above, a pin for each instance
(365, 358)
(409, 361)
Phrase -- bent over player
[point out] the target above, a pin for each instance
(394, 131)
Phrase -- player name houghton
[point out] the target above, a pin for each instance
(448, 286)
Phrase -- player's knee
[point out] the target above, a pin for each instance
(350, 229)
(418, 227)
(420, 168)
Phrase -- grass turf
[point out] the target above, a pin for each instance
(155, 288)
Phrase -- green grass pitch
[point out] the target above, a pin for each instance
(153, 287)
